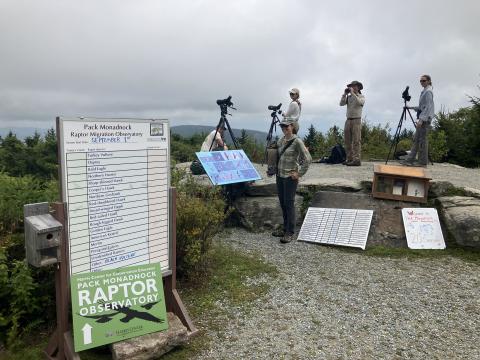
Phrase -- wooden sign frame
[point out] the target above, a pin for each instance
(60, 345)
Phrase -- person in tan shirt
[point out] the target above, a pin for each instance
(354, 100)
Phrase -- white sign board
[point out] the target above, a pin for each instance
(345, 227)
(422, 228)
(115, 181)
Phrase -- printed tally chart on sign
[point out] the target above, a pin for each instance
(345, 227)
(115, 181)
(227, 167)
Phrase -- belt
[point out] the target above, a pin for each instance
(355, 118)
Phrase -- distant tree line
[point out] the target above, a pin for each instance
(454, 138)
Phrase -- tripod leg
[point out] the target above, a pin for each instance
(270, 136)
(396, 137)
(215, 135)
(231, 134)
(411, 118)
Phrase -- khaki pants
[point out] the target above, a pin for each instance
(353, 139)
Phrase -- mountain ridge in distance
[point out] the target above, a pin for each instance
(185, 131)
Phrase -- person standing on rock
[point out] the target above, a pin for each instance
(425, 114)
(293, 162)
(353, 98)
(294, 109)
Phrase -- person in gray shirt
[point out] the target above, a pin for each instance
(425, 114)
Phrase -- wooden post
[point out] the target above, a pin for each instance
(59, 347)
(172, 298)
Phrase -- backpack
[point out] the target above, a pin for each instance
(196, 168)
(337, 155)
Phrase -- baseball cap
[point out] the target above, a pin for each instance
(294, 91)
(286, 122)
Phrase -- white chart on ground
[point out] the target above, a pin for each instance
(345, 227)
(115, 183)
(422, 228)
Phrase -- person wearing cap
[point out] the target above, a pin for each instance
(294, 109)
(425, 114)
(354, 99)
(293, 161)
(218, 144)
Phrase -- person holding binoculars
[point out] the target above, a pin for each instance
(354, 100)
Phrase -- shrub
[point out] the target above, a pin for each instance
(200, 215)
(18, 191)
(437, 145)
(405, 144)
(26, 294)
(375, 141)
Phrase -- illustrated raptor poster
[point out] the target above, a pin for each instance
(228, 167)
(114, 305)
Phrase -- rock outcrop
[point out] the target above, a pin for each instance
(460, 207)
(461, 216)
(387, 224)
(152, 346)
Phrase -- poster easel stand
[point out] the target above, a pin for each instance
(60, 345)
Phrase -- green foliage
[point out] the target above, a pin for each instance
(183, 150)
(26, 294)
(311, 141)
(324, 143)
(405, 144)
(23, 302)
(462, 134)
(437, 145)
(17, 191)
(252, 148)
(36, 156)
(376, 141)
(200, 215)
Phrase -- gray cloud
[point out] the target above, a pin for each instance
(174, 59)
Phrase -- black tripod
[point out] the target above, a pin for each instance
(275, 121)
(224, 105)
(273, 127)
(396, 137)
(230, 191)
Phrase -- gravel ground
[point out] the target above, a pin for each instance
(328, 303)
(457, 175)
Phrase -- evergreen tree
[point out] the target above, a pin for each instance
(13, 156)
(310, 140)
(244, 138)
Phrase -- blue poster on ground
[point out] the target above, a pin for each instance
(228, 167)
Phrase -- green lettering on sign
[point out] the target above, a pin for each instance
(113, 305)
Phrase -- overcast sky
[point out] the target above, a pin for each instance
(174, 59)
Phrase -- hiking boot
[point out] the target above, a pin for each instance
(286, 239)
(414, 163)
(408, 162)
(354, 163)
(278, 233)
